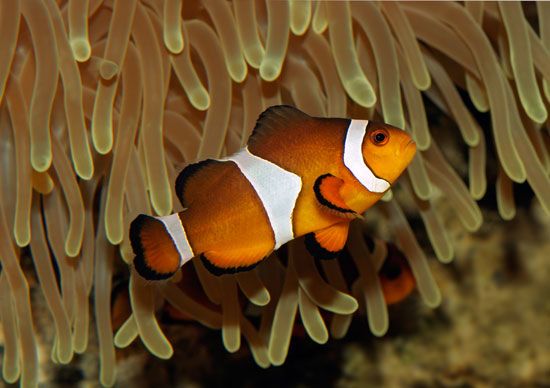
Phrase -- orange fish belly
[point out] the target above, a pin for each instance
(228, 220)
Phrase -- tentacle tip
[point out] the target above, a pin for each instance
(108, 69)
(319, 27)
(433, 301)
(65, 357)
(477, 194)
(103, 149)
(162, 204)
(166, 354)
(102, 138)
(41, 163)
(174, 45)
(113, 236)
(269, 71)
(276, 360)
(322, 339)
(22, 239)
(353, 306)
(9, 375)
(230, 346)
(82, 50)
(109, 380)
(360, 90)
(299, 30)
(85, 172)
(264, 364)
(263, 299)
(200, 99)
(536, 110)
(424, 82)
(72, 250)
(446, 258)
(238, 70)
(379, 331)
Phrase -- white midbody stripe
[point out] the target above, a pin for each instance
(353, 158)
(179, 237)
(277, 188)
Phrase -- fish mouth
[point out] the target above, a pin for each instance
(409, 149)
(410, 143)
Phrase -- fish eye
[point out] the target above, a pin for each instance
(380, 137)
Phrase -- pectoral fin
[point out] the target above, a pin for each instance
(327, 191)
(329, 242)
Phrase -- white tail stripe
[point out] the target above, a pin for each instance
(277, 188)
(179, 237)
(353, 158)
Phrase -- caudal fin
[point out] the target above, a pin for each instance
(157, 256)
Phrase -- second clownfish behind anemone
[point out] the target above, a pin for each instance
(299, 175)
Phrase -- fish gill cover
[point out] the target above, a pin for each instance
(102, 103)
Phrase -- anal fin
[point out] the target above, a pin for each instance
(233, 261)
(329, 242)
(327, 191)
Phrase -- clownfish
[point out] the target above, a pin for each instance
(396, 277)
(298, 176)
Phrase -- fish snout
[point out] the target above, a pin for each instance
(406, 147)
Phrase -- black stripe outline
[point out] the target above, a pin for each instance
(140, 264)
(322, 200)
(218, 271)
(317, 250)
(188, 172)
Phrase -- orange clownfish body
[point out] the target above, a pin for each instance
(396, 277)
(299, 175)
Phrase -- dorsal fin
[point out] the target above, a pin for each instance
(277, 118)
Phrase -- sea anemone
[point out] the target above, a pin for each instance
(103, 102)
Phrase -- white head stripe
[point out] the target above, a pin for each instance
(277, 188)
(179, 237)
(353, 158)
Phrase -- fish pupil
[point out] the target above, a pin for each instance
(379, 137)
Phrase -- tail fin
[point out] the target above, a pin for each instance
(160, 245)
